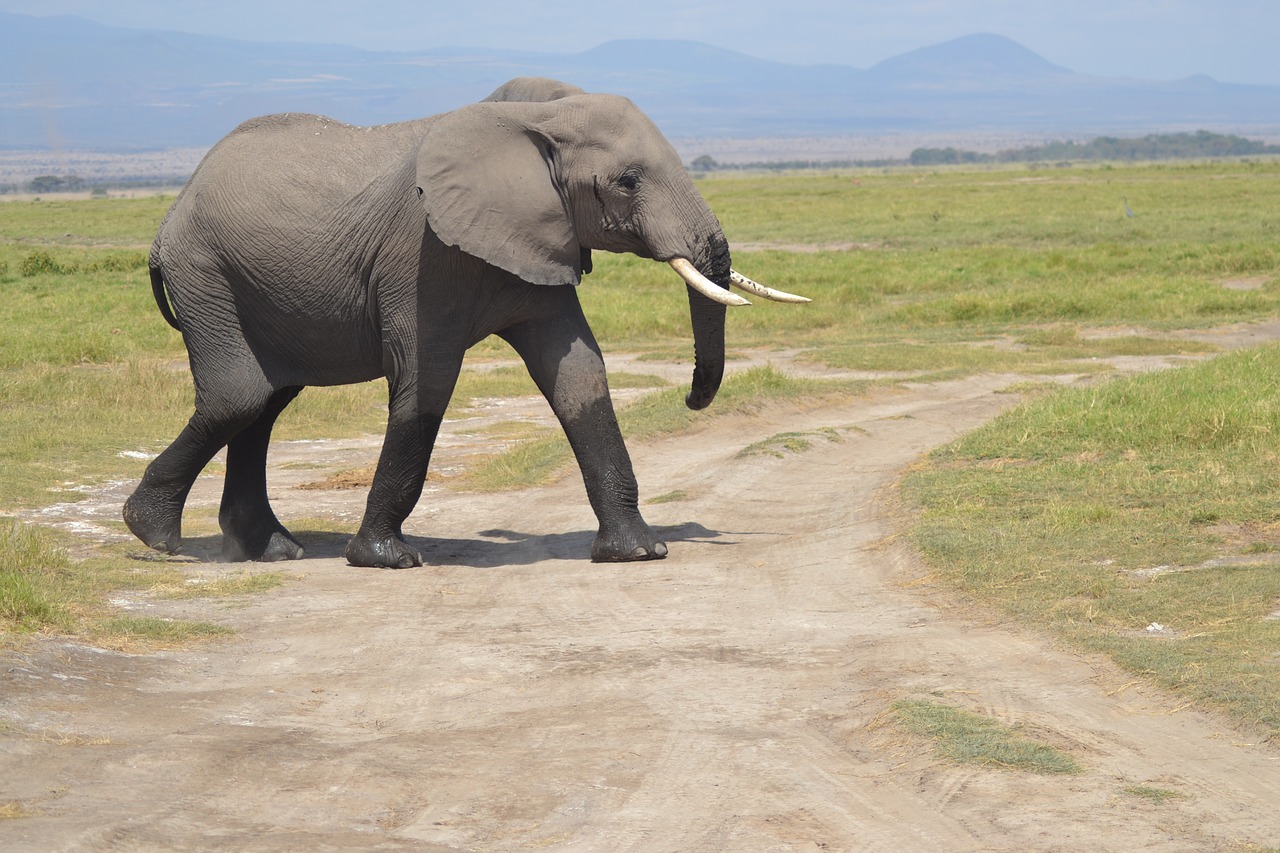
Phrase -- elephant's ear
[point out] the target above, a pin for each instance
(488, 183)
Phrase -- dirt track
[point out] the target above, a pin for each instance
(512, 695)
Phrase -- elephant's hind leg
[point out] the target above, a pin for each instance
(250, 529)
(153, 512)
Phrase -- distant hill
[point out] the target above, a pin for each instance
(983, 59)
(68, 83)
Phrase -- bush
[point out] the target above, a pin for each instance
(119, 262)
(40, 263)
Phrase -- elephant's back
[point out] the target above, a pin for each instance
(303, 159)
(316, 133)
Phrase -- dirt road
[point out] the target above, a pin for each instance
(513, 696)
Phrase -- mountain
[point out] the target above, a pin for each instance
(983, 59)
(68, 83)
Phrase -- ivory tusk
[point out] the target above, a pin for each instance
(704, 285)
(740, 280)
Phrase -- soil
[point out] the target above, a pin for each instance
(512, 695)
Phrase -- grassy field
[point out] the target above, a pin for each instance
(1095, 512)
(1138, 517)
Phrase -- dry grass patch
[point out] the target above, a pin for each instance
(352, 478)
(13, 810)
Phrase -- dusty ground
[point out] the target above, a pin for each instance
(512, 695)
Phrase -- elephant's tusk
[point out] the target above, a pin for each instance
(704, 285)
(740, 280)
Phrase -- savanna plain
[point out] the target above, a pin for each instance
(978, 551)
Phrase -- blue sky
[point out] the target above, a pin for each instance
(1231, 40)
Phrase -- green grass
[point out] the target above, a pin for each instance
(1049, 350)
(947, 208)
(1154, 794)
(967, 738)
(513, 381)
(1095, 512)
(58, 225)
(779, 445)
(661, 413)
(153, 632)
(531, 463)
(218, 586)
(669, 497)
(42, 589)
(70, 318)
(27, 559)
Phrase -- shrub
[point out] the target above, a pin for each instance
(41, 263)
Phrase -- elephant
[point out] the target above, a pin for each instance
(533, 89)
(307, 252)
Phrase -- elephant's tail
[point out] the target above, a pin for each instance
(162, 299)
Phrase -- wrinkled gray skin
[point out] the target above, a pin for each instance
(308, 252)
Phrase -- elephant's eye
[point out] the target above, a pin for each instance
(629, 181)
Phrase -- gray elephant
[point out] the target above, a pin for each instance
(533, 89)
(304, 251)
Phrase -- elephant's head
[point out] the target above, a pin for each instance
(535, 178)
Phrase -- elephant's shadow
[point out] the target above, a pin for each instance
(488, 549)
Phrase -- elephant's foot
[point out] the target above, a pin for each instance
(626, 543)
(157, 523)
(389, 552)
(265, 546)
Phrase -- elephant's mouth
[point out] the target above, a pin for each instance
(716, 293)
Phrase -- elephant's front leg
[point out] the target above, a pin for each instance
(417, 406)
(565, 362)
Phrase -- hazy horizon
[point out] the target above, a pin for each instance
(1229, 40)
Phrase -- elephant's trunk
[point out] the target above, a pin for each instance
(707, 318)
(706, 315)
(704, 264)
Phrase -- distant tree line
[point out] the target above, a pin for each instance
(1157, 146)
(43, 184)
(705, 163)
(56, 184)
(49, 184)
